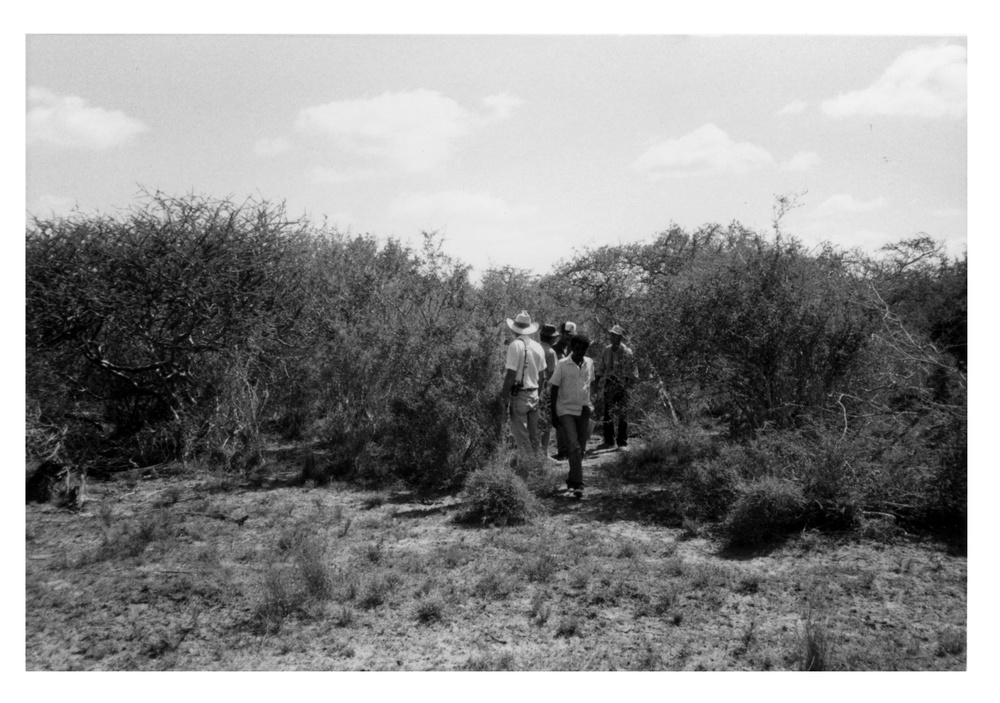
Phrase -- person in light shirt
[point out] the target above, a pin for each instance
(561, 347)
(523, 371)
(572, 384)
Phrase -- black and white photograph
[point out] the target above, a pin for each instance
(496, 351)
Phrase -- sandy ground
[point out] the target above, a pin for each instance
(188, 571)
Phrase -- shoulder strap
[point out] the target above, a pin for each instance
(524, 357)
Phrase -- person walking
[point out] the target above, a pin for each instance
(616, 366)
(548, 335)
(523, 370)
(561, 348)
(572, 384)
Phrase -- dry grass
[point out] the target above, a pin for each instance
(323, 578)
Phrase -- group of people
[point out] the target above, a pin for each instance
(551, 383)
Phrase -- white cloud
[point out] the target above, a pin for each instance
(447, 205)
(69, 122)
(272, 147)
(793, 108)
(705, 151)
(844, 203)
(477, 227)
(950, 212)
(925, 82)
(502, 105)
(802, 161)
(414, 131)
(323, 174)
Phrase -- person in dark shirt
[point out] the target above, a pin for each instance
(616, 366)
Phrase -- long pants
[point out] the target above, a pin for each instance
(615, 412)
(524, 427)
(561, 447)
(577, 431)
(545, 421)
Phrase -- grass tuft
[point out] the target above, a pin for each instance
(540, 609)
(570, 626)
(951, 642)
(814, 645)
(494, 585)
(540, 568)
(430, 609)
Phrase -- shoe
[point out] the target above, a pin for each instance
(602, 446)
(623, 447)
(578, 493)
(560, 457)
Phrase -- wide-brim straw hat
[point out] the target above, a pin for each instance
(522, 324)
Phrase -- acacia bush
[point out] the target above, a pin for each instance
(839, 372)
(406, 372)
(133, 312)
(188, 328)
(765, 510)
(495, 495)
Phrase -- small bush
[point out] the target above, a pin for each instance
(766, 510)
(430, 609)
(495, 495)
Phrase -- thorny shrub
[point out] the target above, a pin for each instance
(766, 509)
(495, 495)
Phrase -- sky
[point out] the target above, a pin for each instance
(518, 149)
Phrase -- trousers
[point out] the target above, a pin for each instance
(615, 412)
(524, 424)
(576, 429)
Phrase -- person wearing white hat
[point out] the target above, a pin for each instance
(524, 368)
(616, 366)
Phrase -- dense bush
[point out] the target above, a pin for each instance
(187, 328)
(191, 328)
(143, 318)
